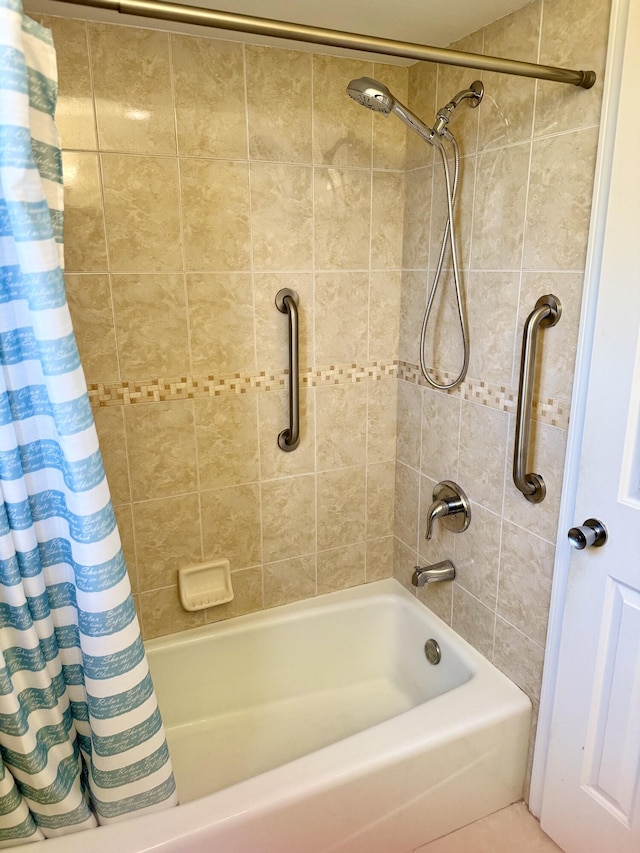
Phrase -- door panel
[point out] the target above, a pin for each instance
(591, 796)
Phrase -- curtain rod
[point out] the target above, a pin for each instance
(318, 35)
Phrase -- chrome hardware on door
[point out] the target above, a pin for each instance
(592, 534)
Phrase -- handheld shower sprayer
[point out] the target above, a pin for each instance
(377, 97)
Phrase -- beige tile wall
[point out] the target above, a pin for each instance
(193, 195)
(529, 155)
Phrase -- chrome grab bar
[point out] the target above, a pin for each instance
(287, 303)
(546, 313)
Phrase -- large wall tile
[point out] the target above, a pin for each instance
(341, 423)
(438, 597)
(492, 306)
(341, 568)
(417, 218)
(132, 88)
(404, 560)
(440, 432)
(342, 217)
(519, 657)
(574, 35)
(215, 213)
(227, 440)
(483, 444)
(506, 111)
(161, 449)
(387, 220)
(168, 538)
(289, 580)
(407, 491)
(84, 236)
(473, 620)
(288, 517)
(341, 317)
(559, 203)
(342, 128)
(221, 318)
(124, 520)
(384, 315)
(141, 209)
(89, 298)
(381, 420)
(75, 115)
(247, 596)
(231, 525)
(282, 216)
(422, 93)
(380, 497)
(478, 555)
(501, 195)
(390, 135)
(209, 91)
(110, 426)
(409, 424)
(413, 302)
(341, 507)
(379, 559)
(526, 569)
(151, 325)
(279, 127)
(161, 613)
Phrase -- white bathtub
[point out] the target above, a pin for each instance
(321, 726)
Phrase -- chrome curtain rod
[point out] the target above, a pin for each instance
(319, 35)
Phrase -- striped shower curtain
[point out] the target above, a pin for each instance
(81, 739)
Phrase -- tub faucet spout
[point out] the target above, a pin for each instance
(443, 571)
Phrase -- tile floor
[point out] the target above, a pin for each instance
(512, 830)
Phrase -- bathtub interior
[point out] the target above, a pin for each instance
(244, 697)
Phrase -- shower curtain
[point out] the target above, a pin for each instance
(81, 739)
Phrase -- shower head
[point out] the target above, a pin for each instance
(375, 96)
(371, 94)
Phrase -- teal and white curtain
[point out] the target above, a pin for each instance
(81, 739)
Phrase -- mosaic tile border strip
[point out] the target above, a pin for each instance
(128, 393)
(555, 412)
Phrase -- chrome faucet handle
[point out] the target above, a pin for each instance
(452, 505)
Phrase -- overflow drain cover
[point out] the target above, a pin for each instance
(432, 651)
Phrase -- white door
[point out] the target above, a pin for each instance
(591, 789)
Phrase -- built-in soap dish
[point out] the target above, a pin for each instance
(205, 585)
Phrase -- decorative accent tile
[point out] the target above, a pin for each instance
(555, 412)
(127, 393)
(130, 392)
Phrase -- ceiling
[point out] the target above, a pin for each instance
(429, 22)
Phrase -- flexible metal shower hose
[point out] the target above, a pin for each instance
(448, 236)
